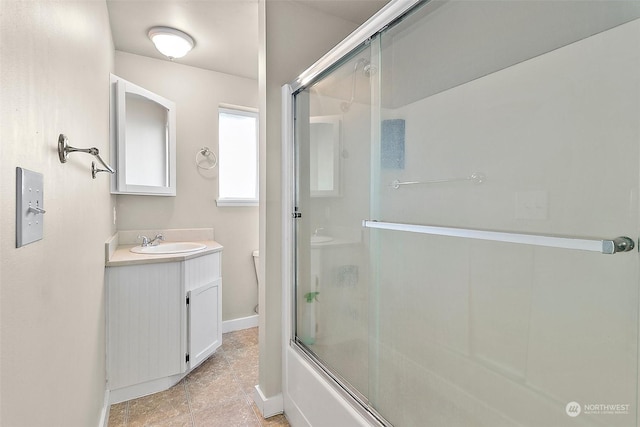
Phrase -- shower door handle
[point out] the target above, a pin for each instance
(612, 246)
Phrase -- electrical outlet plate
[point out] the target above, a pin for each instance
(29, 207)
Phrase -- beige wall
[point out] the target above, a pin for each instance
(294, 36)
(55, 59)
(197, 94)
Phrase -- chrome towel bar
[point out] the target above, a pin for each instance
(64, 149)
(476, 177)
(619, 244)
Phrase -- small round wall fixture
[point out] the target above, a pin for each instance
(170, 42)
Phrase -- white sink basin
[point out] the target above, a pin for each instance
(169, 248)
(321, 239)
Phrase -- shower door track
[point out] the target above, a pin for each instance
(611, 246)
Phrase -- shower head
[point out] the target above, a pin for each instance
(363, 61)
(368, 70)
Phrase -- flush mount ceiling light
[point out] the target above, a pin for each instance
(170, 42)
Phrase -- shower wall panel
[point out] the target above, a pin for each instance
(558, 132)
(481, 333)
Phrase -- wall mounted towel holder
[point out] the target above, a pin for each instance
(64, 149)
(476, 178)
(206, 155)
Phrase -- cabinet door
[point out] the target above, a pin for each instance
(145, 323)
(205, 329)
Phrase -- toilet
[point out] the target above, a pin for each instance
(256, 265)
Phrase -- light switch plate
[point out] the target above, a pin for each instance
(29, 207)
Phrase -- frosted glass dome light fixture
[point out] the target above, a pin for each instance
(170, 42)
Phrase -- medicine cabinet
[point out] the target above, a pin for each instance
(324, 140)
(143, 140)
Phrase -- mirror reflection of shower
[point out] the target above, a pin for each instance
(368, 70)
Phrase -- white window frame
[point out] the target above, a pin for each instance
(240, 202)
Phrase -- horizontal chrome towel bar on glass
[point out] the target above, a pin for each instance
(619, 244)
(476, 177)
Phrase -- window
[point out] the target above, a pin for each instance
(238, 153)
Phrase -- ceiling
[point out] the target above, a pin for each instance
(225, 31)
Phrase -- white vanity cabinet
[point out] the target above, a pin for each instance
(163, 319)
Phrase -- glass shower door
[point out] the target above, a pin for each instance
(494, 206)
(467, 203)
(333, 135)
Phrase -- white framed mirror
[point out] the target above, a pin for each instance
(324, 151)
(143, 140)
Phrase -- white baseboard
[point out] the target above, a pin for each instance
(268, 406)
(104, 414)
(239, 324)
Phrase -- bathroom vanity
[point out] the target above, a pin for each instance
(164, 317)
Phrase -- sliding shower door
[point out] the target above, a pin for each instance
(333, 130)
(468, 190)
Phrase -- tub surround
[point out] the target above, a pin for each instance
(496, 345)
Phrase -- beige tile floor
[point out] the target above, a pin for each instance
(217, 393)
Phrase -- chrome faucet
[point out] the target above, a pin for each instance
(319, 229)
(154, 241)
(146, 242)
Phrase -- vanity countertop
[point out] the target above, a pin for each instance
(123, 256)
